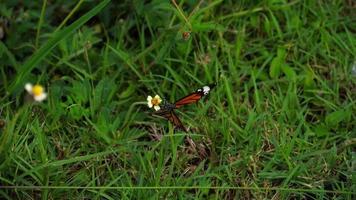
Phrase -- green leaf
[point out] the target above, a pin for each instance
(103, 93)
(289, 72)
(267, 26)
(128, 92)
(309, 79)
(275, 68)
(295, 22)
(80, 91)
(333, 119)
(321, 130)
(76, 111)
(277, 62)
(281, 53)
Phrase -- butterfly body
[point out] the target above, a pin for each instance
(167, 110)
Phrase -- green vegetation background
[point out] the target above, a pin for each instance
(280, 124)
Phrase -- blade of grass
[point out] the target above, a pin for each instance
(69, 15)
(40, 22)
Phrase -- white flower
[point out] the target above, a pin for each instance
(154, 102)
(36, 91)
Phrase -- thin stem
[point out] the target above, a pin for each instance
(40, 22)
(69, 15)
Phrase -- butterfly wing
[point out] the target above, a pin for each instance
(189, 99)
(176, 121)
(170, 115)
(165, 113)
(195, 96)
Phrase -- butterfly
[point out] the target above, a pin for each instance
(167, 110)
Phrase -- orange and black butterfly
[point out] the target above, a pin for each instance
(167, 110)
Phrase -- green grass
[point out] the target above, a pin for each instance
(280, 123)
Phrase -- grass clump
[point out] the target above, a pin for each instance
(279, 124)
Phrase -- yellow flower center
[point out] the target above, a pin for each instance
(155, 101)
(37, 90)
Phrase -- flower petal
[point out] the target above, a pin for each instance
(157, 99)
(149, 101)
(149, 104)
(28, 87)
(157, 108)
(40, 97)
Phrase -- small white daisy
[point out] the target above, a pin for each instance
(36, 91)
(154, 102)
